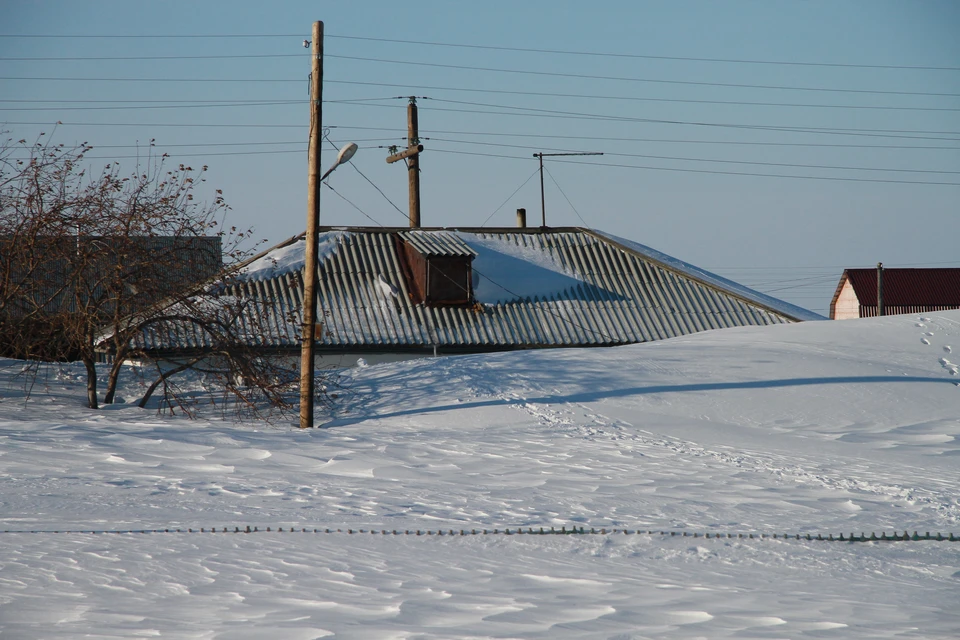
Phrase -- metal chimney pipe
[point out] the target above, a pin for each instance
(521, 218)
(879, 288)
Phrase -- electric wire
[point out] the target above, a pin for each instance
(573, 115)
(345, 199)
(545, 94)
(664, 140)
(688, 122)
(706, 171)
(475, 46)
(878, 133)
(643, 57)
(727, 85)
(765, 175)
(689, 159)
(157, 106)
(379, 190)
(188, 106)
(584, 76)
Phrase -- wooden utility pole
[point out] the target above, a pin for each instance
(879, 288)
(412, 155)
(313, 223)
(543, 202)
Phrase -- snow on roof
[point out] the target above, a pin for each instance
(289, 257)
(713, 279)
(563, 287)
(529, 271)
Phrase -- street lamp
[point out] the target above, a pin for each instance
(346, 152)
(310, 290)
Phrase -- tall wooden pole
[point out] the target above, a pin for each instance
(413, 163)
(313, 223)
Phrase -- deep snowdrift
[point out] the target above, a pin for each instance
(821, 428)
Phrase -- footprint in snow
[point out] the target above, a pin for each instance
(924, 341)
(920, 324)
(928, 333)
(947, 348)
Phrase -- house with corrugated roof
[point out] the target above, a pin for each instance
(903, 291)
(391, 293)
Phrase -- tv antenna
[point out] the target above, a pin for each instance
(543, 206)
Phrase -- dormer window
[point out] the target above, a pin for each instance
(437, 267)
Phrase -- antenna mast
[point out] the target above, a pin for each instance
(543, 206)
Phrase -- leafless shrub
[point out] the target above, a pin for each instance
(94, 265)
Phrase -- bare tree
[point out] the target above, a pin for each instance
(93, 266)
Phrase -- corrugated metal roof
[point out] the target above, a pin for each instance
(437, 243)
(907, 288)
(603, 294)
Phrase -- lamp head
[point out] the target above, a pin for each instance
(346, 152)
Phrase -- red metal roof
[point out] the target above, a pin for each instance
(907, 287)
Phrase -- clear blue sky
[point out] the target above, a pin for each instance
(858, 100)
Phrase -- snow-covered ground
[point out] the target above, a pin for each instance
(821, 428)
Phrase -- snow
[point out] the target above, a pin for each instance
(530, 271)
(820, 428)
(289, 257)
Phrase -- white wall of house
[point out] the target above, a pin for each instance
(848, 306)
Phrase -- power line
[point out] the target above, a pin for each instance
(707, 171)
(193, 155)
(131, 58)
(551, 113)
(510, 134)
(646, 57)
(220, 144)
(635, 98)
(188, 106)
(61, 36)
(835, 266)
(327, 184)
(153, 36)
(205, 80)
(573, 115)
(644, 80)
(831, 130)
(511, 71)
(161, 124)
(379, 190)
(823, 280)
(688, 159)
(44, 101)
(626, 155)
(763, 175)
(544, 94)
(157, 106)
(666, 140)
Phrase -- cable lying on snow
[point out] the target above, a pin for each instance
(883, 537)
